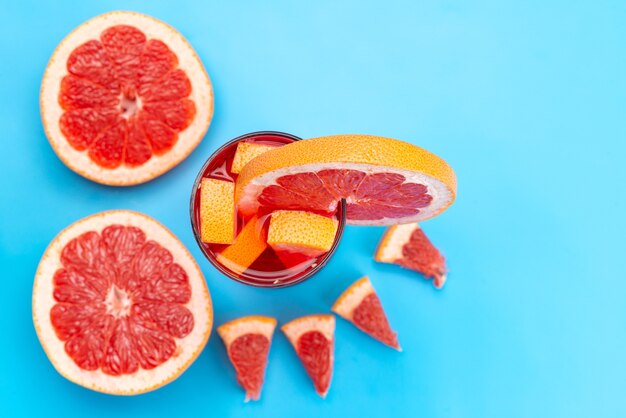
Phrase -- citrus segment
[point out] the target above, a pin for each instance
(301, 232)
(246, 151)
(247, 342)
(217, 211)
(408, 246)
(312, 337)
(360, 305)
(248, 246)
(119, 305)
(124, 99)
(384, 181)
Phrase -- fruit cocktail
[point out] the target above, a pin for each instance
(268, 248)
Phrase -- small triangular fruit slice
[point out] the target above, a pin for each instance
(248, 246)
(248, 341)
(301, 232)
(408, 246)
(313, 339)
(217, 211)
(246, 151)
(360, 305)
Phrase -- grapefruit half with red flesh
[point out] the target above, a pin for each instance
(360, 305)
(409, 247)
(313, 338)
(124, 99)
(119, 304)
(248, 341)
(384, 181)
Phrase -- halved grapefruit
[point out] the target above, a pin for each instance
(360, 305)
(409, 247)
(248, 341)
(313, 338)
(124, 99)
(119, 304)
(384, 181)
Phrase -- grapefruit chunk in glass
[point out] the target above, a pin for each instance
(246, 151)
(409, 247)
(217, 211)
(124, 99)
(247, 342)
(384, 181)
(248, 246)
(119, 304)
(360, 305)
(301, 232)
(313, 338)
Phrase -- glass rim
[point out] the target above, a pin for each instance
(222, 269)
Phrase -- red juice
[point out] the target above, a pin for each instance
(271, 268)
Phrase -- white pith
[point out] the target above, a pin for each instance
(188, 139)
(394, 239)
(438, 190)
(143, 380)
(352, 297)
(232, 330)
(322, 323)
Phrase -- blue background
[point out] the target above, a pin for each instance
(526, 100)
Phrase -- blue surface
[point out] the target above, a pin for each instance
(526, 101)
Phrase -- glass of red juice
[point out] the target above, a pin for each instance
(270, 269)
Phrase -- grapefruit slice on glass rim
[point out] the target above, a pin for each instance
(247, 342)
(384, 181)
(313, 338)
(119, 304)
(360, 305)
(124, 99)
(409, 247)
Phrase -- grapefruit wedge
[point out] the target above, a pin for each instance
(124, 99)
(360, 305)
(248, 341)
(313, 338)
(408, 247)
(119, 304)
(384, 181)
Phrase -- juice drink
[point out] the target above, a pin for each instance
(250, 259)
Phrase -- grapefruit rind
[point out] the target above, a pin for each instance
(299, 231)
(248, 246)
(143, 380)
(188, 139)
(366, 153)
(246, 151)
(217, 211)
(352, 297)
(254, 324)
(319, 322)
